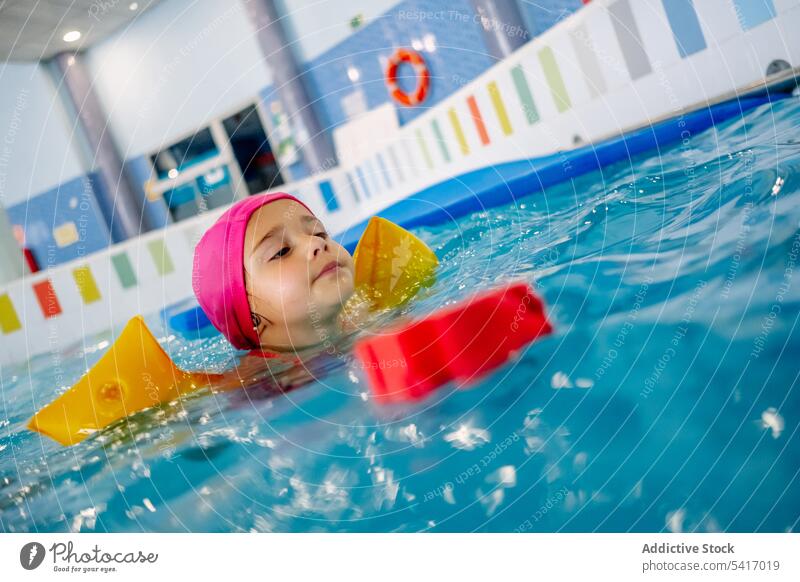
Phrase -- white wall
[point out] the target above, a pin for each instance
(175, 67)
(36, 150)
(314, 26)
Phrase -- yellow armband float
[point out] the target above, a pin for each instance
(391, 264)
(136, 373)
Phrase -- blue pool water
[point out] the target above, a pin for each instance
(666, 400)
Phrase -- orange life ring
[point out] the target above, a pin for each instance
(414, 59)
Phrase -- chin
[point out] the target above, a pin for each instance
(336, 300)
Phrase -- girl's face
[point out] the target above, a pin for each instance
(297, 277)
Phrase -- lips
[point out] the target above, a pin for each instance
(332, 266)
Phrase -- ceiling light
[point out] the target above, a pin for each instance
(173, 173)
(133, 6)
(72, 36)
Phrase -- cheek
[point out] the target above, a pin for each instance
(283, 288)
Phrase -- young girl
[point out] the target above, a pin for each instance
(270, 278)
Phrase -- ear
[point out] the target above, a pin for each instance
(259, 320)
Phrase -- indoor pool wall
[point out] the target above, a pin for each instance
(607, 69)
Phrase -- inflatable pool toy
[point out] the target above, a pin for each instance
(460, 343)
(391, 264)
(136, 373)
(189, 321)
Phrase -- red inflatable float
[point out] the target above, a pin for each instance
(460, 343)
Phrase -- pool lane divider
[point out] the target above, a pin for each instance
(506, 183)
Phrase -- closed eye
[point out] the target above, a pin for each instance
(280, 253)
(322, 234)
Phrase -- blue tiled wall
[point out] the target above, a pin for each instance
(540, 15)
(74, 201)
(459, 57)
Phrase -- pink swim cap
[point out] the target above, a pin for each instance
(218, 271)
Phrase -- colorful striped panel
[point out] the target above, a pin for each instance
(161, 257)
(437, 131)
(424, 147)
(87, 286)
(629, 39)
(462, 141)
(478, 119)
(685, 26)
(328, 196)
(751, 13)
(46, 296)
(9, 322)
(554, 79)
(363, 181)
(384, 170)
(124, 270)
(371, 176)
(499, 108)
(412, 160)
(524, 93)
(586, 52)
(396, 163)
(377, 175)
(352, 183)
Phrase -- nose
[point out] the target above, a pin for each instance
(316, 246)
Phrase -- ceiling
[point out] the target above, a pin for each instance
(33, 30)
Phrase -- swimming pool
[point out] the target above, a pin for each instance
(665, 400)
